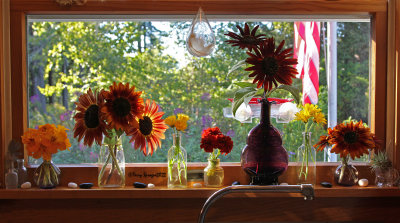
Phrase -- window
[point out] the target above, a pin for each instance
(65, 57)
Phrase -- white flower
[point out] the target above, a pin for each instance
(287, 112)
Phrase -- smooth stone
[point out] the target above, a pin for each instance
(72, 185)
(363, 182)
(326, 184)
(284, 184)
(85, 185)
(150, 185)
(235, 183)
(26, 185)
(139, 185)
(197, 185)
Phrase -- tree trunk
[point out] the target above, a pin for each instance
(65, 94)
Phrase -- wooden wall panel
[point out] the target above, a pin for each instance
(382, 210)
(397, 87)
(2, 128)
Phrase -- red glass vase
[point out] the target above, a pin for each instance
(264, 158)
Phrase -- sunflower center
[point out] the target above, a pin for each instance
(350, 137)
(121, 107)
(145, 125)
(270, 66)
(249, 39)
(92, 116)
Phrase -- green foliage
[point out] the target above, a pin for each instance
(67, 58)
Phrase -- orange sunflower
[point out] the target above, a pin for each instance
(151, 129)
(123, 106)
(351, 139)
(247, 39)
(88, 119)
(271, 65)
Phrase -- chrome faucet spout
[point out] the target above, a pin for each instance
(307, 190)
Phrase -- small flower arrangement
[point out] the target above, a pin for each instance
(215, 143)
(45, 141)
(309, 115)
(269, 66)
(177, 157)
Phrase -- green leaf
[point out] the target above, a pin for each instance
(292, 90)
(237, 66)
(245, 84)
(242, 95)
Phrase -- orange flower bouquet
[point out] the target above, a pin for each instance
(43, 142)
(350, 140)
(104, 116)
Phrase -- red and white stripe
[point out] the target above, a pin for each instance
(306, 50)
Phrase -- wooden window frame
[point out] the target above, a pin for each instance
(384, 79)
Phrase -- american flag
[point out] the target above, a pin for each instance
(306, 50)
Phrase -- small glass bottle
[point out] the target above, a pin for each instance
(213, 174)
(177, 165)
(22, 172)
(11, 178)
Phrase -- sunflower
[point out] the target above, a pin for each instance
(271, 65)
(88, 121)
(123, 107)
(352, 139)
(247, 39)
(151, 129)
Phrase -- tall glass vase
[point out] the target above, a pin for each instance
(112, 173)
(47, 175)
(177, 164)
(306, 165)
(264, 158)
(346, 174)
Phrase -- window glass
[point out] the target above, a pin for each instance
(67, 58)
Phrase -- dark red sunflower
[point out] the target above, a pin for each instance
(352, 139)
(323, 141)
(247, 39)
(150, 131)
(88, 121)
(122, 107)
(271, 65)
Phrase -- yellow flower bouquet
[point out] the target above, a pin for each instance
(309, 116)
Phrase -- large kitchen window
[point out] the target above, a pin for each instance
(65, 58)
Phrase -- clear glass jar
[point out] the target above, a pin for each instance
(22, 172)
(177, 164)
(306, 171)
(47, 175)
(112, 173)
(386, 177)
(213, 174)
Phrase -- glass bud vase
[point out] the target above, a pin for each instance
(47, 175)
(305, 158)
(112, 173)
(213, 174)
(177, 164)
(346, 174)
(22, 172)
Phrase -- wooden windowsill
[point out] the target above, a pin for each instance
(163, 192)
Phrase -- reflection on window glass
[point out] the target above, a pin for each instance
(66, 58)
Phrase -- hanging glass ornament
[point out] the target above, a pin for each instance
(200, 41)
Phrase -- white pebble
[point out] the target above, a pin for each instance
(72, 185)
(197, 185)
(26, 185)
(284, 184)
(150, 185)
(363, 182)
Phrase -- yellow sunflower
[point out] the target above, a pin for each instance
(123, 106)
(150, 131)
(89, 123)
